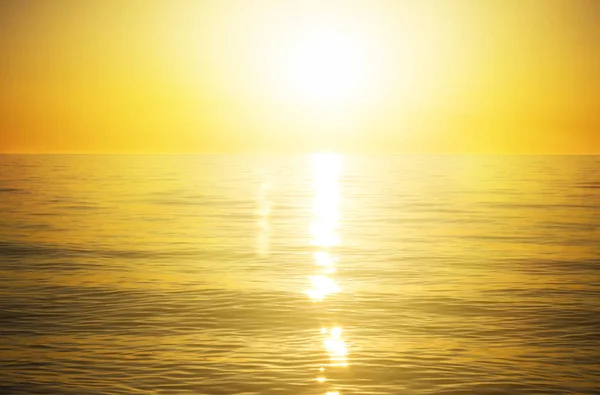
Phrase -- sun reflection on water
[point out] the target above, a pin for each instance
(323, 228)
(336, 347)
(325, 237)
(322, 286)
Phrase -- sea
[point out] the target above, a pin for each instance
(308, 274)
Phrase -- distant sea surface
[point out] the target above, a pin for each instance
(320, 274)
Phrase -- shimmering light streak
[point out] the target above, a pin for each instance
(324, 236)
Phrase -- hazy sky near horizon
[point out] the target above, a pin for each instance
(457, 76)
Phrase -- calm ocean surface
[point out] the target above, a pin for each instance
(323, 274)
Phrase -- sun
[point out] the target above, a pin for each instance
(324, 59)
(316, 71)
(323, 65)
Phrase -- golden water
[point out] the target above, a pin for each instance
(320, 274)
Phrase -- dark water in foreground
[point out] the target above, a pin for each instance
(299, 275)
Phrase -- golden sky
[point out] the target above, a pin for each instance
(456, 76)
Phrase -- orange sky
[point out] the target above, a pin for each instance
(506, 76)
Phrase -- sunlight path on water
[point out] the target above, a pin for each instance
(324, 237)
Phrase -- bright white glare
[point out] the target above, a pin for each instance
(324, 65)
(322, 286)
(336, 347)
(327, 170)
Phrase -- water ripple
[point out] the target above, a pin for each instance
(168, 275)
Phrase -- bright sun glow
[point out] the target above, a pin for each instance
(324, 65)
(325, 60)
(319, 70)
